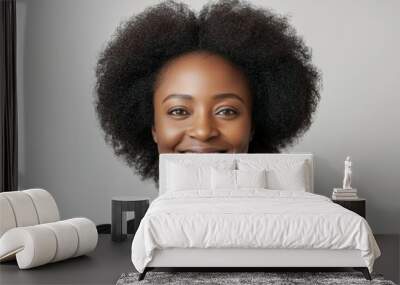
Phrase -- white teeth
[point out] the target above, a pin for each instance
(223, 151)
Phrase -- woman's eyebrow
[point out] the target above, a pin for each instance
(217, 96)
(181, 96)
(228, 95)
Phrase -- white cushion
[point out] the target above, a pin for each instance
(182, 177)
(26, 208)
(227, 179)
(7, 220)
(185, 175)
(87, 233)
(32, 246)
(223, 179)
(45, 205)
(282, 174)
(251, 178)
(23, 208)
(67, 237)
(40, 244)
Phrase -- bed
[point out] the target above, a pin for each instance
(247, 211)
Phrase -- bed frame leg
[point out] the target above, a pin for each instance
(364, 271)
(143, 274)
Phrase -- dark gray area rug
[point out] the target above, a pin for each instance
(229, 278)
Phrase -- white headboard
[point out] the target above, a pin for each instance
(212, 157)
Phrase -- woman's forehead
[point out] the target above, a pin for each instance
(199, 74)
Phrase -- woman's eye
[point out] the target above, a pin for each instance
(227, 112)
(178, 112)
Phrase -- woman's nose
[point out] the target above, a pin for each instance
(203, 128)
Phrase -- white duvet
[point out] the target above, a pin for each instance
(251, 218)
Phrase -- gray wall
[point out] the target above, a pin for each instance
(354, 43)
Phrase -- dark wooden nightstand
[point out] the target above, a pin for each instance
(358, 206)
(120, 206)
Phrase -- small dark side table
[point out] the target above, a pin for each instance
(120, 206)
(358, 205)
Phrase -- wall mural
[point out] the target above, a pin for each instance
(232, 78)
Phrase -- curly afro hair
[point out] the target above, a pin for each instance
(283, 81)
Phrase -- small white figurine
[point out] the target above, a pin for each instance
(347, 174)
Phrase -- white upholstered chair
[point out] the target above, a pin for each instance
(31, 231)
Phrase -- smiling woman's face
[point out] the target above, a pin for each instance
(201, 104)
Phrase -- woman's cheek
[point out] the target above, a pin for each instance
(169, 135)
(238, 134)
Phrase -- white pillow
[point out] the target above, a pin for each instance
(251, 178)
(186, 174)
(182, 177)
(282, 174)
(226, 179)
(290, 178)
(223, 179)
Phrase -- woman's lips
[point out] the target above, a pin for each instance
(202, 150)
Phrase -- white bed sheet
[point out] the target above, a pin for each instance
(250, 218)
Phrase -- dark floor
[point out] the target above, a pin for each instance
(111, 259)
(389, 262)
(102, 266)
